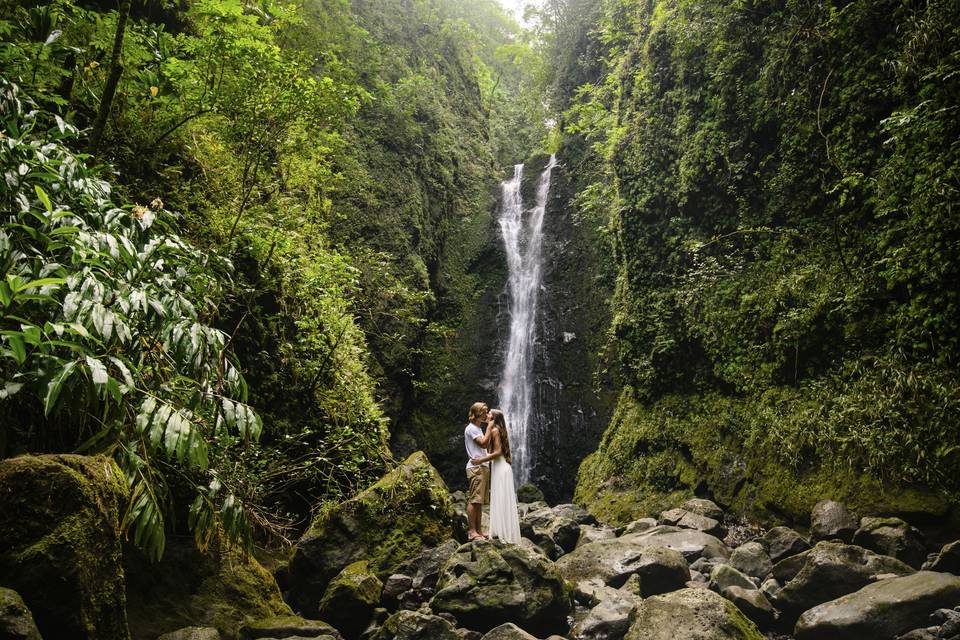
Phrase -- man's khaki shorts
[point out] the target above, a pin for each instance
(478, 479)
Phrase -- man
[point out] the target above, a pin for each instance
(478, 476)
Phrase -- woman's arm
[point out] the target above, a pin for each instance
(495, 434)
(484, 440)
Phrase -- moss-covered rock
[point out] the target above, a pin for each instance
(690, 613)
(653, 457)
(223, 588)
(16, 621)
(350, 599)
(407, 510)
(60, 543)
(288, 626)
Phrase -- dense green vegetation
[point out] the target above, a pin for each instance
(236, 239)
(782, 180)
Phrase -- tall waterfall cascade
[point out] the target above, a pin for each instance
(522, 232)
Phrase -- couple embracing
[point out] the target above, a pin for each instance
(489, 472)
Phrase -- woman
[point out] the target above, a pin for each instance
(504, 521)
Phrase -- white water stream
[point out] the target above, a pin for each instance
(523, 240)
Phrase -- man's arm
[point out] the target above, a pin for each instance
(491, 433)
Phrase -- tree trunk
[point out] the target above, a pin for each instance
(113, 79)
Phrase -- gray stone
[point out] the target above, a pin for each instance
(487, 583)
(948, 560)
(393, 588)
(892, 537)
(424, 568)
(704, 507)
(831, 570)
(724, 576)
(16, 621)
(591, 592)
(608, 619)
(829, 520)
(639, 526)
(555, 530)
(661, 570)
(287, 627)
(689, 520)
(921, 634)
(770, 588)
(691, 614)
(469, 634)
(575, 512)
(590, 533)
(880, 610)
(508, 631)
(783, 542)
(752, 559)
(192, 633)
(753, 604)
(787, 569)
(415, 625)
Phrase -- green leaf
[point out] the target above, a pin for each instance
(17, 347)
(31, 334)
(55, 385)
(44, 198)
(6, 295)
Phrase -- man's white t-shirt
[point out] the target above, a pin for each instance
(473, 449)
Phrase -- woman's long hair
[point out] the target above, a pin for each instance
(501, 423)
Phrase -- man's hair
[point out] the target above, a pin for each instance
(476, 410)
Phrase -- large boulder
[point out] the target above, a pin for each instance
(487, 583)
(416, 579)
(223, 588)
(703, 507)
(193, 633)
(60, 543)
(660, 570)
(16, 621)
(690, 520)
(406, 511)
(610, 618)
(508, 631)
(880, 610)
(614, 560)
(553, 530)
(783, 542)
(350, 599)
(830, 519)
(416, 625)
(892, 537)
(752, 559)
(288, 626)
(831, 570)
(948, 559)
(690, 613)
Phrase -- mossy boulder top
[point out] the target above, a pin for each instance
(406, 511)
(690, 613)
(60, 543)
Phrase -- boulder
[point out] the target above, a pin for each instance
(403, 513)
(753, 604)
(487, 583)
(417, 581)
(590, 533)
(553, 530)
(575, 512)
(703, 507)
(639, 526)
(829, 520)
(192, 633)
(882, 609)
(614, 560)
(752, 559)
(287, 627)
(593, 591)
(608, 619)
(831, 570)
(394, 587)
(690, 613)
(416, 625)
(60, 543)
(529, 492)
(350, 599)
(16, 621)
(660, 570)
(724, 576)
(788, 568)
(227, 588)
(508, 631)
(783, 542)
(948, 560)
(689, 520)
(770, 587)
(892, 537)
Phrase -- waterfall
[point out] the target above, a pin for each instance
(523, 241)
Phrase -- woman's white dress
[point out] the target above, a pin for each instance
(504, 521)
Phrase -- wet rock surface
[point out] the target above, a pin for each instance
(16, 621)
(829, 520)
(690, 613)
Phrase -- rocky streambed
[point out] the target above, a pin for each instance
(391, 564)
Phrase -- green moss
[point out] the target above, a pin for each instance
(653, 457)
(746, 630)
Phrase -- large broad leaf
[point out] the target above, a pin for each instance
(55, 385)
